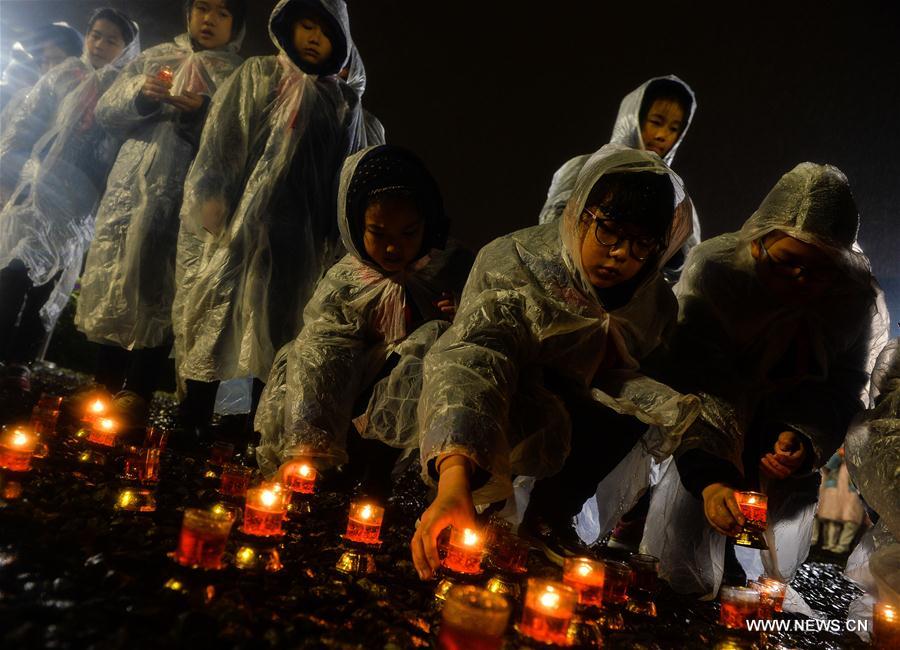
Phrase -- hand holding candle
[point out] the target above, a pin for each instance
(754, 508)
(464, 551)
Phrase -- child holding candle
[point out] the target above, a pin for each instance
(381, 300)
(776, 333)
(545, 353)
(257, 219)
(55, 160)
(125, 305)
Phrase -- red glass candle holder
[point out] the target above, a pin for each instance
(771, 596)
(104, 432)
(142, 465)
(301, 479)
(17, 447)
(644, 584)
(165, 74)
(616, 578)
(754, 507)
(473, 619)
(364, 524)
(886, 626)
(547, 612)
(97, 407)
(203, 538)
(220, 453)
(235, 480)
(464, 552)
(736, 606)
(263, 513)
(45, 415)
(507, 552)
(586, 577)
(156, 438)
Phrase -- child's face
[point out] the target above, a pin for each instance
(103, 43)
(662, 127)
(51, 56)
(394, 232)
(311, 40)
(610, 251)
(794, 271)
(210, 23)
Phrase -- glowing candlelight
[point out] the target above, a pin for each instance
(364, 525)
(263, 513)
(586, 577)
(136, 500)
(165, 74)
(886, 622)
(301, 479)
(464, 552)
(736, 606)
(473, 619)
(548, 610)
(104, 432)
(203, 538)
(16, 449)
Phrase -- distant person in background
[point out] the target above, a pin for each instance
(840, 511)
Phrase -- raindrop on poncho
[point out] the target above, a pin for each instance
(529, 308)
(358, 317)
(57, 157)
(258, 227)
(128, 283)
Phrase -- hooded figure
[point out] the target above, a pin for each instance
(872, 453)
(764, 365)
(626, 131)
(529, 311)
(358, 317)
(258, 225)
(128, 283)
(57, 157)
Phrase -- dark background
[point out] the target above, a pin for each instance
(495, 95)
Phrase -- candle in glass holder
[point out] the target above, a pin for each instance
(142, 465)
(104, 432)
(220, 453)
(235, 480)
(17, 446)
(754, 507)
(156, 438)
(473, 619)
(263, 513)
(464, 551)
(203, 538)
(586, 577)
(616, 578)
(364, 525)
(644, 584)
(301, 479)
(886, 624)
(45, 415)
(508, 553)
(736, 606)
(165, 74)
(549, 607)
(771, 594)
(97, 408)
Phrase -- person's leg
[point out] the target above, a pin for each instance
(14, 286)
(145, 370)
(196, 410)
(112, 367)
(29, 336)
(371, 464)
(845, 538)
(832, 531)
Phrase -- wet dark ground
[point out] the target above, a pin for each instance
(75, 572)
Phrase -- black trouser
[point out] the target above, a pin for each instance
(601, 438)
(371, 463)
(22, 332)
(136, 370)
(196, 409)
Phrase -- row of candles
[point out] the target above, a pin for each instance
(602, 587)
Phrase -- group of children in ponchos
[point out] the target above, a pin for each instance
(201, 190)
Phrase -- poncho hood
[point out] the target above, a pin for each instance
(281, 31)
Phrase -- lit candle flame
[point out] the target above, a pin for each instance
(19, 438)
(366, 512)
(549, 599)
(125, 498)
(584, 569)
(304, 471)
(889, 613)
(751, 500)
(470, 537)
(97, 406)
(107, 425)
(268, 498)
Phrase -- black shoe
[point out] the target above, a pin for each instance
(555, 537)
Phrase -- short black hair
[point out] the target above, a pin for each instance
(64, 37)
(666, 89)
(237, 9)
(283, 24)
(127, 26)
(643, 199)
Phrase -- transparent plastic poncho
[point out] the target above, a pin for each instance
(528, 309)
(128, 283)
(58, 157)
(731, 337)
(354, 321)
(258, 227)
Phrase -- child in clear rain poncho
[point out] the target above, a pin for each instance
(872, 454)
(393, 292)
(538, 375)
(777, 333)
(55, 161)
(258, 225)
(655, 117)
(128, 283)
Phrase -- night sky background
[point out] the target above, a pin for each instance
(495, 95)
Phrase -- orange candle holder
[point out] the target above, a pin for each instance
(886, 626)
(585, 576)
(235, 481)
(301, 479)
(771, 596)
(204, 535)
(165, 74)
(362, 536)
(508, 556)
(45, 415)
(644, 584)
(616, 579)
(142, 465)
(547, 612)
(473, 619)
(736, 606)
(464, 551)
(104, 432)
(264, 513)
(17, 448)
(97, 407)
(754, 507)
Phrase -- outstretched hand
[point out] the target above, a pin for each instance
(155, 89)
(786, 458)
